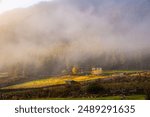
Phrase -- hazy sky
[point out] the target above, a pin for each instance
(75, 31)
(6, 5)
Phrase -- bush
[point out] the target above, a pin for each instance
(95, 88)
(147, 93)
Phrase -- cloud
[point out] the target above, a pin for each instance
(7, 5)
(77, 32)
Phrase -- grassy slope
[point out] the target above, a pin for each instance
(52, 81)
(110, 72)
(132, 97)
(61, 80)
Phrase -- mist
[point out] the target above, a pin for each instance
(49, 36)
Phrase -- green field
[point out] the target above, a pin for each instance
(111, 72)
(132, 97)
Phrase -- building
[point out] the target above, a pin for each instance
(96, 71)
(4, 75)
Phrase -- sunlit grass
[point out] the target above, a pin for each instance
(110, 72)
(52, 81)
(61, 80)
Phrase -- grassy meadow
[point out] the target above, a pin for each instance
(110, 85)
(131, 97)
(52, 81)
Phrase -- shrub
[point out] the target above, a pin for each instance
(147, 93)
(74, 70)
(95, 88)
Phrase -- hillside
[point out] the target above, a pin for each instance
(112, 85)
(52, 81)
(75, 49)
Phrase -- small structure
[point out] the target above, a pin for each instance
(96, 71)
